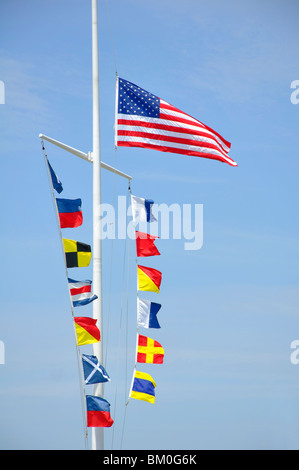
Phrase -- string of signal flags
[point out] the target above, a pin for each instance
(148, 351)
(78, 254)
(165, 128)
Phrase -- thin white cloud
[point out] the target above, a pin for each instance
(29, 92)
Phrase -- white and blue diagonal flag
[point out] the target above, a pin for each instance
(142, 210)
(147, 313)
(93, 372)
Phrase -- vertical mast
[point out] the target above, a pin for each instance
(97, 433)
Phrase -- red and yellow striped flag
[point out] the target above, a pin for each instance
(87, 331)
(149, 279)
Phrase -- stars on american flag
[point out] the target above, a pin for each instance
(135, 100)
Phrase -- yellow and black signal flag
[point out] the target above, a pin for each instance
(77, 254)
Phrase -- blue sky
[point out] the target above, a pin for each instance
(229, 310)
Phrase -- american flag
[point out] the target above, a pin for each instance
(144, 120)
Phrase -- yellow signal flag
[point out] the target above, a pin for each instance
(77, 254)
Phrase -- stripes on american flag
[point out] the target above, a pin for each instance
(144, 120)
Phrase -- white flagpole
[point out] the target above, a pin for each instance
(97, 433)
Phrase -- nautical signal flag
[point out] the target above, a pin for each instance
(70, 213)
(98, 412)
(93, 372)
(87, 331)
(145, 244)
(77, 254)
(56, 183)
(147, 313)
(143, 387)
(142, 209)
(144, 120)
(149, 351)
(149, 279)
(81, 292)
